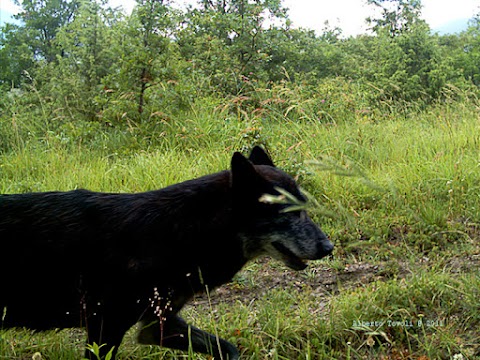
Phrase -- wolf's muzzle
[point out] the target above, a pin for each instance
(325, 248)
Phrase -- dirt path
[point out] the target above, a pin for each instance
(255, 281)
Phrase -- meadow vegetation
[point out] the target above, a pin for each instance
(398, 194)
(390, 155)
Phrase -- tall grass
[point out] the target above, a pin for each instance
(430, 314)
(392, 187)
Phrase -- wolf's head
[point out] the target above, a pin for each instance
(268, 208)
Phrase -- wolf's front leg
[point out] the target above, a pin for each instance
(173, 332)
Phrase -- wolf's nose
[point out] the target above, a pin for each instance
(327, 248)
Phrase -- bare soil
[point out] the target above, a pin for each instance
(254, 282)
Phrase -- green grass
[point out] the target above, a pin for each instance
(432, 314)
(401, 193)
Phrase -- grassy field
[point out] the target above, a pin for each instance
(397, 192)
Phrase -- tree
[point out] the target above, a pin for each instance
(41, 21)
(226, 40)
(87, 57)
(406, 64)
(15, 56)
(470, 51)
(144, 51)
(398, 16)
(24, 46)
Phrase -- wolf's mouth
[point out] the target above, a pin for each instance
(289, 258)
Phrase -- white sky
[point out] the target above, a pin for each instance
(349, 15)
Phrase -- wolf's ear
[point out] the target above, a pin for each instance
(259, 156)
(245, 179)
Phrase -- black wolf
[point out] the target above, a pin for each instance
(107, 261)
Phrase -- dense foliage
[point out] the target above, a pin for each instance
(78, 60)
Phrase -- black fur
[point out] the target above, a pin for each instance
(107, 261)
